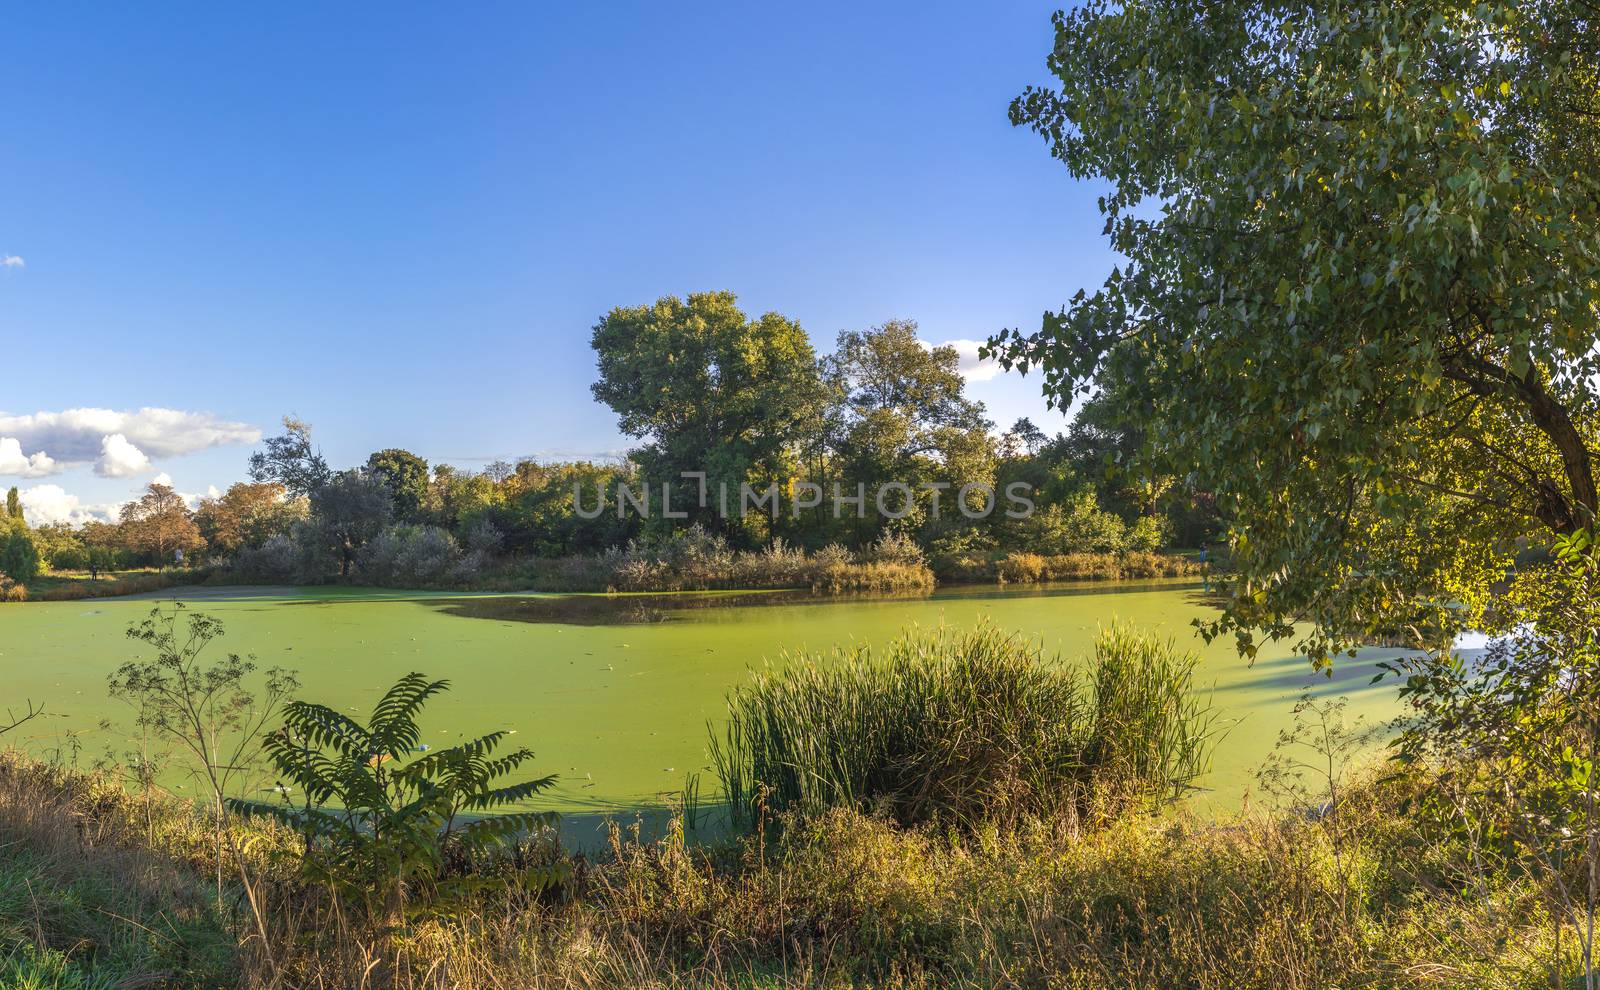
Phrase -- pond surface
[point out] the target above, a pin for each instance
(614, 692)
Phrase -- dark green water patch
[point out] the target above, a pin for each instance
(636, 609)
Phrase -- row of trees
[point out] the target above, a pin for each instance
(154, 530)
(743, 402)
(707, 390)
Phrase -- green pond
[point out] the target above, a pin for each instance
(614, 692)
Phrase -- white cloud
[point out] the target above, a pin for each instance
(162, 479)
(12, 261)
(119, 458)
(43, 505)
(972, 368)
(14, 462)
(80, 436)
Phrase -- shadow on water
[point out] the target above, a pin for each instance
(590, 831)
(648, 607)
(634, 609)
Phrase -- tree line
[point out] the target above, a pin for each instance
(708, 392)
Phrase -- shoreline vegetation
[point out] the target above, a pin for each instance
(860, 488)
(706, 566)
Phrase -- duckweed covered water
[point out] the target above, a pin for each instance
(614, 692)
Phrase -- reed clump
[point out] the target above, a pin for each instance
(1027, 568)
(966, 728)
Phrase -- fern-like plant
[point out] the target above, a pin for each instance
(391, 823)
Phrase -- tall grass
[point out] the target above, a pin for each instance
(1024, 568)
(92, 897)
(966, 727)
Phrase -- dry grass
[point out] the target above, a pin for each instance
(74, 586)
(1026, 568)
(841, 899)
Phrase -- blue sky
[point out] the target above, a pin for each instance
(401, 221)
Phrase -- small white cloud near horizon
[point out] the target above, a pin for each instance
(12, 261)
(119, 458)
(47, 505)
(73, 437)
(14, 462)
(162, 479)
(973, 368)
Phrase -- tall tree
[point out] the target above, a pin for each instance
(406, 475)
(14, 505)
(907, 417)
(708, 389)
(247, 515)
(159, 523)
(348, 511)
(291, 460)
(1361, 300)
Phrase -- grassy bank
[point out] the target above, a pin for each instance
(765, 570)
(95, 894)
(62, 586)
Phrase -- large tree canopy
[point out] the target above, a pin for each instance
(1362, 274)
(710, 389)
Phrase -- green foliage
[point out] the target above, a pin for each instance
(406, 476)
(1517, 733)
(1360, 291)
(28, 967)
(966, 728)
(19, 559)
(211, 713)
(389, 821)
(348, 510)
(708, 389)
(1149, 534)
(291, 460)
(1077, 524)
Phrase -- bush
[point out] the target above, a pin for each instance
(19, 558)
(966, 728)
(963, 555)
(1149, 534)
(276, 561)
(895, 547)
(872, 577)
(409, 556)
(11, 591)
(406, 823)
(1022, 568)
(1075, 525)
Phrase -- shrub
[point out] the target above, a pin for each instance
(1075, 525)
(11, 591)
(397, 830)
(277, 560)
(963, 555)
(19, 558)
(895, 547)
(409, 556)
(1149, 534)
(832, 555)
(1021, 568)
(966, 728)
